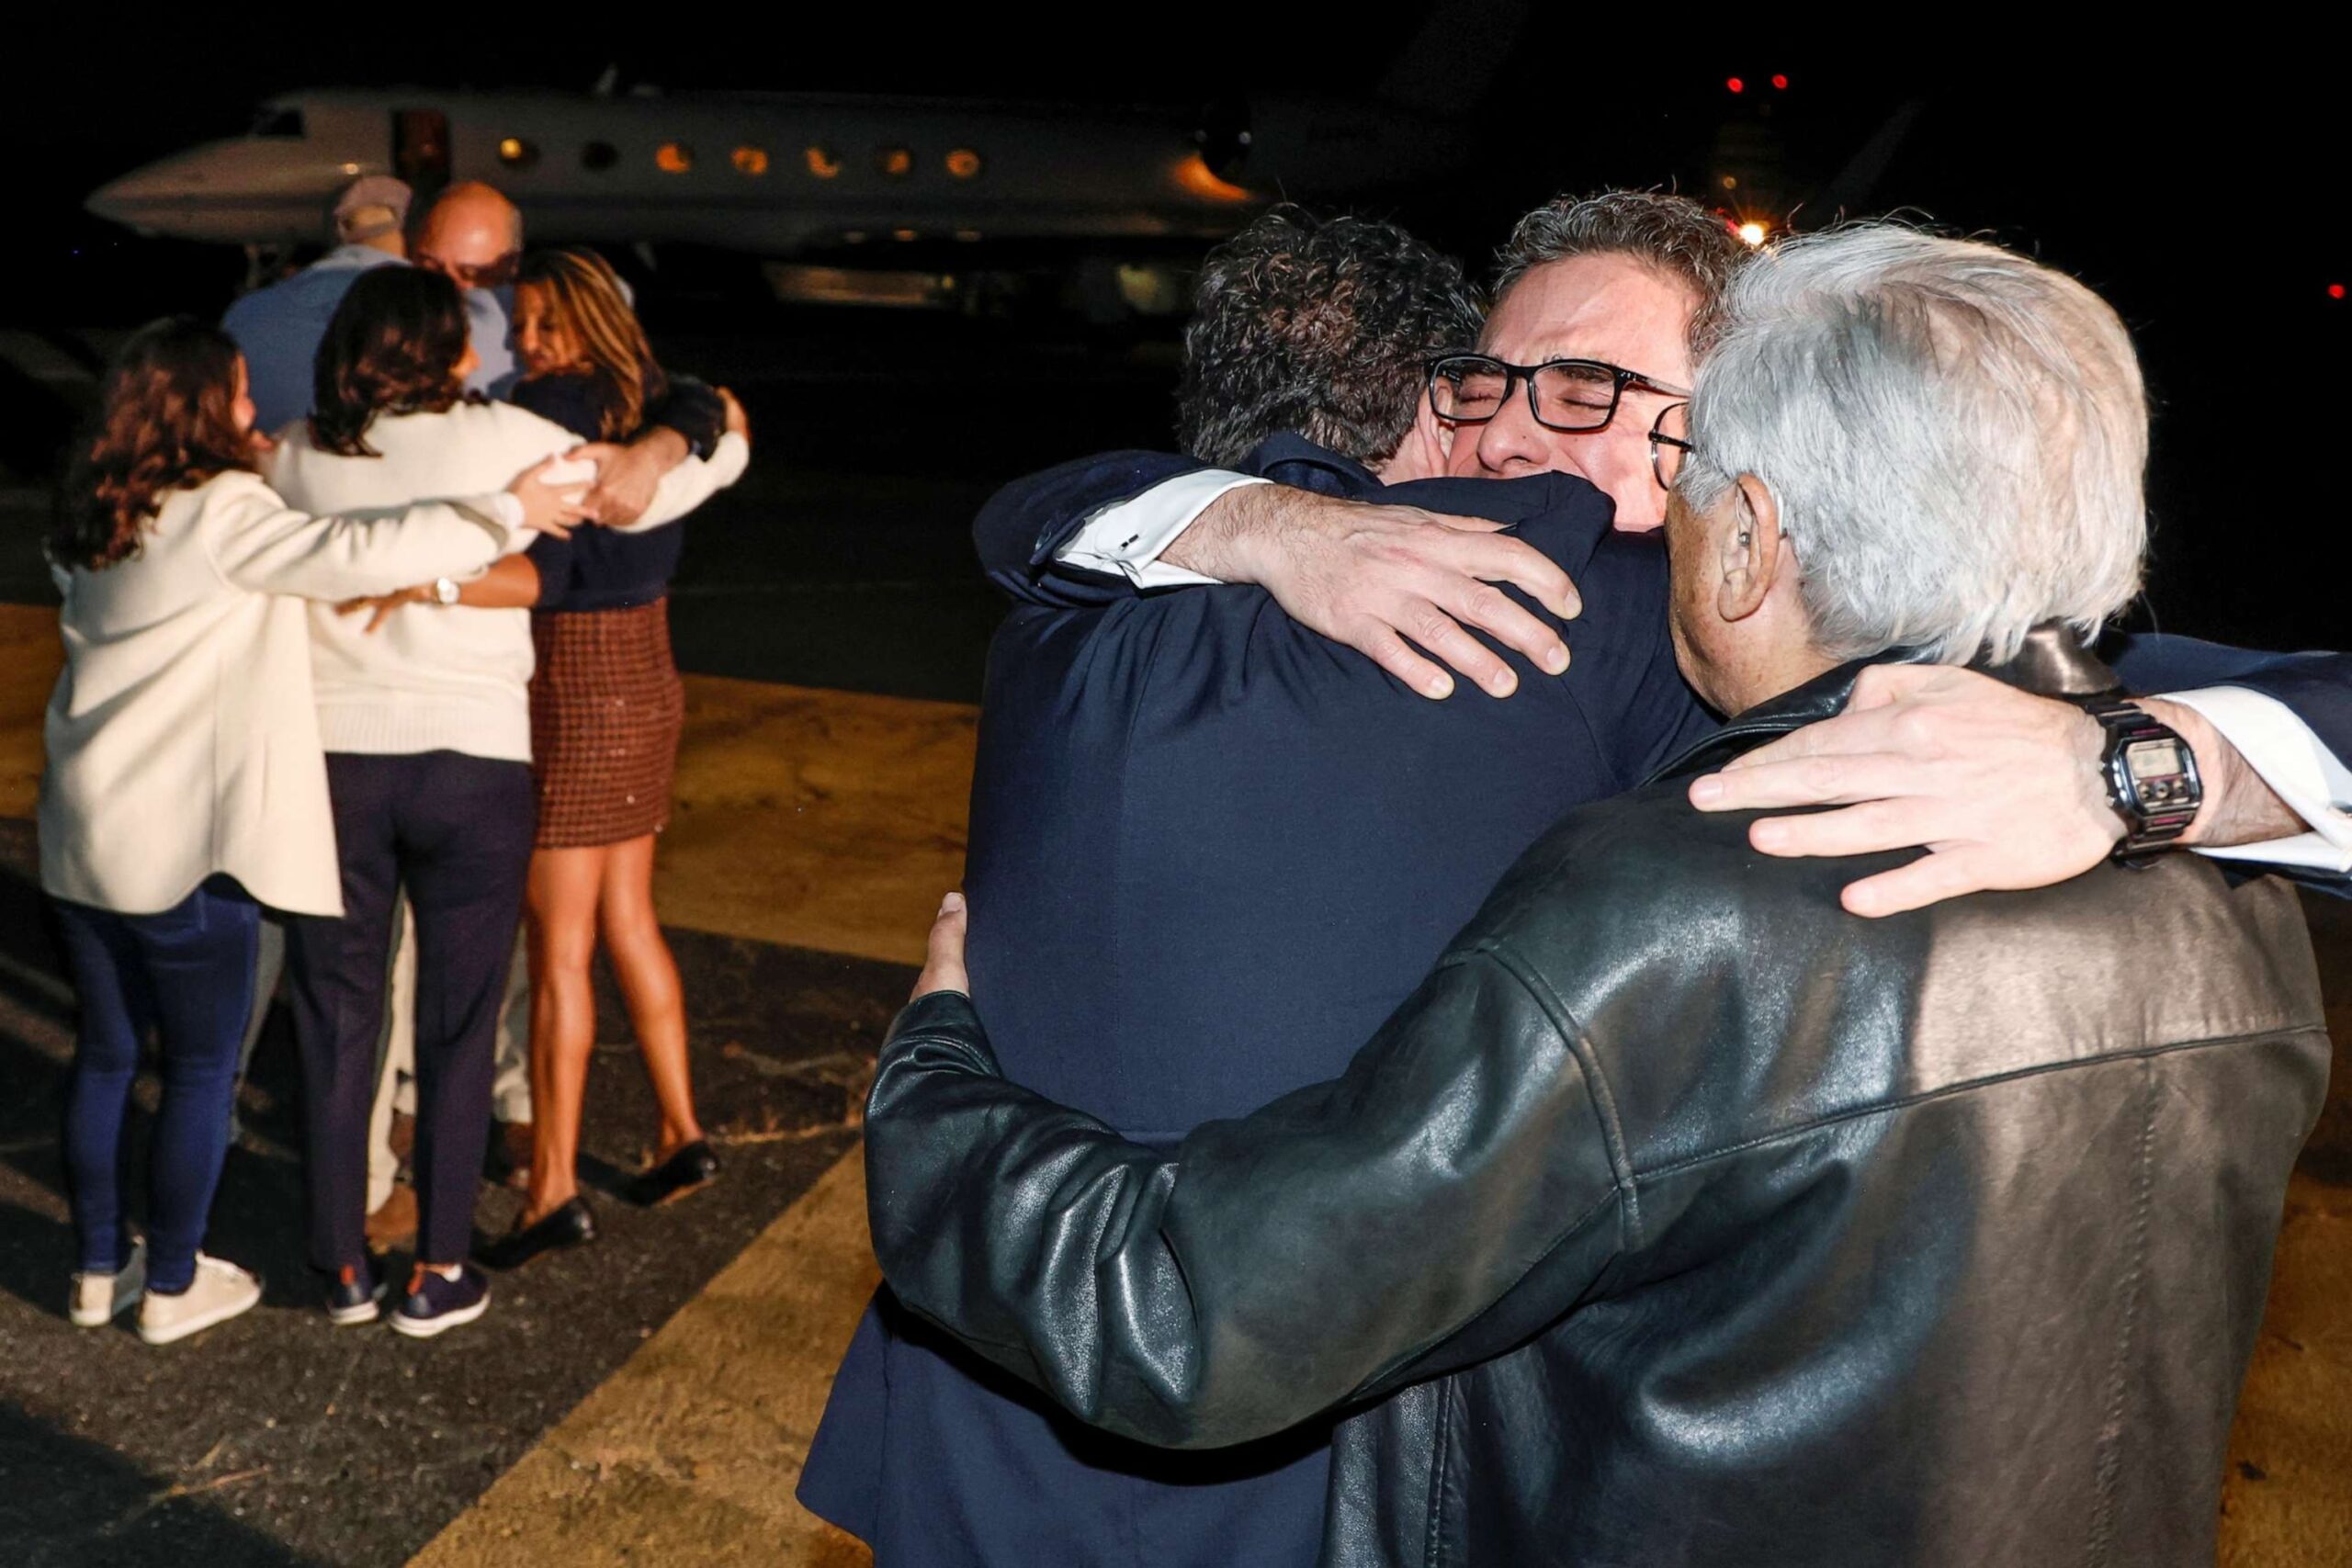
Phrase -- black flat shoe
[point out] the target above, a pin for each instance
(567, 1225)
(694, 1166)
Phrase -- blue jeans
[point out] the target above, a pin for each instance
(189, 972)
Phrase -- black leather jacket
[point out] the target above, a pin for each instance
(1682, 1218)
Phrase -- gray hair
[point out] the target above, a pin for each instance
(1671, 234)
(1955, 436)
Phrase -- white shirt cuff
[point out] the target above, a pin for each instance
(507, 507)
(2312, 780)
(1129, 537)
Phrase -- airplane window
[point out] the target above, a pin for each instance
(964, 163)
(517, 153)
(821, 162)
(599, 156)
(278, 123)
(674, 158)
(750, 160)
(896, 162)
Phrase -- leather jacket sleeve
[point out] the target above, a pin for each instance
(1022, 526)
(1267, 1267)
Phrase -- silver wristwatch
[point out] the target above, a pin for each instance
(445, 590)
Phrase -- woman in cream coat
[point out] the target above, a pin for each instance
(186, 785)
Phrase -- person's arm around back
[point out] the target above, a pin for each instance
(693, 481)
(1028, 532)
(259, 543)
(1271, 1267)
(633, 478)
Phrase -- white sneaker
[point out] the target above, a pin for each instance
(219, 1293)
(99, 1299)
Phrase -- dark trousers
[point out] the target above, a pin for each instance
(188, 972)
(456, 831)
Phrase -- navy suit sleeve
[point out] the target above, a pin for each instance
(1022, 525)
(1642, 710)
(2315, 687)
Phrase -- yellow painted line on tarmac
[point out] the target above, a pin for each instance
(689, 1453)
(821, 820)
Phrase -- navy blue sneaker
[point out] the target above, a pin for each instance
(436, 1303)
(354, 1295)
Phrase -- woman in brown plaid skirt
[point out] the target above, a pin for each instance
(607, 708)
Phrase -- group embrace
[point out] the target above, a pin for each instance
(1497, 1127)
(361, 613)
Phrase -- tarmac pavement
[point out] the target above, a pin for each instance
(648, 1399)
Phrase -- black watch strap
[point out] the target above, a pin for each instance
(2157, 806)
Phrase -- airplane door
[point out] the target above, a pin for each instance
(421, 148)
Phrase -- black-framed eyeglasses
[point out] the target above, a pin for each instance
(1669, 443)
(1575, 397)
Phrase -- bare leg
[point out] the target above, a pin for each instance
(649, 981)
(563, 905)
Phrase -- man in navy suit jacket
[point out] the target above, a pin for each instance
(1190, 801)
(1185, 804)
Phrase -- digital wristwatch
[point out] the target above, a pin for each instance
(2151, 777)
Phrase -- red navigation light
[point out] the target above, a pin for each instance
(2336, 291)
(1780, 82)
(1737, 86)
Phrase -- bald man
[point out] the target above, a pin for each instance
(473, 236)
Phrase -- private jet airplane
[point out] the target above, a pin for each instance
(849, 197)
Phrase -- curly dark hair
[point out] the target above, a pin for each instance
(1672, 233)
(1324, 326)
(393, 346)
(165, 421)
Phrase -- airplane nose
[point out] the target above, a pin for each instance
(243, 191)
(133, 199)
(117, 201)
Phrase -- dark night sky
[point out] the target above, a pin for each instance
(2202, 190)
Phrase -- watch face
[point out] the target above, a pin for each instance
(2151, 759)
(2158, 770)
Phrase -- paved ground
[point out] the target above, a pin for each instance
(649, 1401)
(299, 1443)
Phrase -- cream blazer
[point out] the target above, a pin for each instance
(182, 738)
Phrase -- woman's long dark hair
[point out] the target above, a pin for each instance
(166, 420)
(393, 346)
(586, 299)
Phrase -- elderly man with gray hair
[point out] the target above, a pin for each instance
(1678, 1217)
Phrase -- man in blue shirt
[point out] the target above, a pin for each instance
(279, 327)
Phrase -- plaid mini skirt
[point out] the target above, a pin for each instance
(607, 708)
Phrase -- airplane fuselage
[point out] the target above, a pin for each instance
(776, 174)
